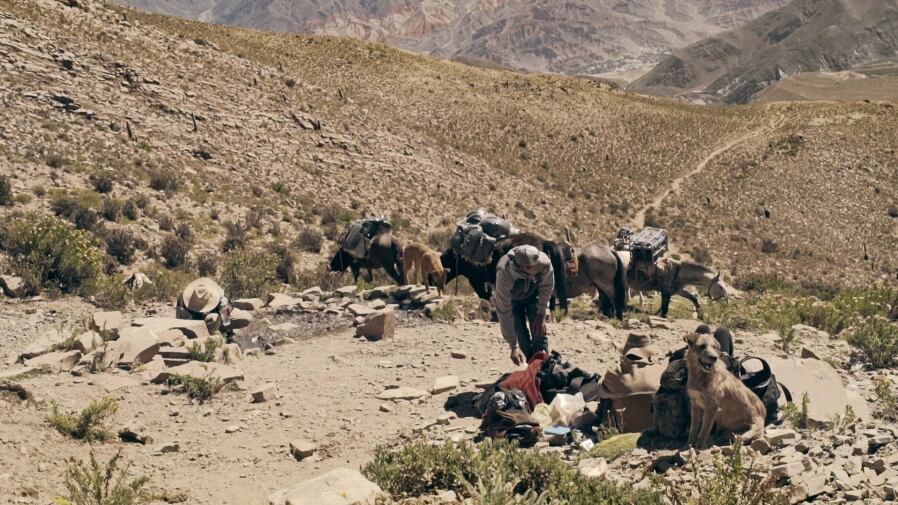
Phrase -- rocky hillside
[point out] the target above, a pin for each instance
(219, 129)
(569, 37)
(805, 36)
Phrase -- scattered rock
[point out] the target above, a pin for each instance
(136, 432)
(135, 346)
(264, 393)
(88, 341)
(280, 300)
(169, 448)
(444, 384)
(338, 487)
(190, 328)
(359, 310)
(232, 429)
(302, 449)
(106, 323)
(13, 287)
(378, 326)
(761, 445)
(402, 393)
(593, 467)
(347, 290)
(248, 304)
(199, 370)
(779, 437)
(458, 355)
(60, 361)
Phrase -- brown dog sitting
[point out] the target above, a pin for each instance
(427, 262)
(719, 400)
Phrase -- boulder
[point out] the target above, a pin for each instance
(190, 328)
(445, 384)
(12, 286)
(803, 333)
(347, 290)
(280, 300)
(106, 323)
(20, 371)
(264, 393)
(59, 361)
(200, 370)
(382, 292)
(402, 394)
(828, 396)
(134, 347)
(88, 341)
(302, 449)
(154, 368)
(311, 293)
(378, 326)
(248, 304)
(338, 487)
(377, 304)
(229, 354)
(43, 345)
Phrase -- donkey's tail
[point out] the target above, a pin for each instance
(620, 286)
(551, 249)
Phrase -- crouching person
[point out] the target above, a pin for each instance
(524, 285)
(203, 299)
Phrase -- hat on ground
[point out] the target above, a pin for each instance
(638, 348)
(202, 295)
(525, 256)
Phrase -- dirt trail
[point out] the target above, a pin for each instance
(677, 183)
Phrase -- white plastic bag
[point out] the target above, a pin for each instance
(566, 407)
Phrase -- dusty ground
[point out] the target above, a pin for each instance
(327, 384)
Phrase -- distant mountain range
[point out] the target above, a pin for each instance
(566, 36)
(804, 36)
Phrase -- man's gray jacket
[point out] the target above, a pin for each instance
(514, 284)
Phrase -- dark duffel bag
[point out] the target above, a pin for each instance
(763, 384)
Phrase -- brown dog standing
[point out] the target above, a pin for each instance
(427, 262)
(719, 400)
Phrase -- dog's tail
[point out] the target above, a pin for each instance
(620, 286)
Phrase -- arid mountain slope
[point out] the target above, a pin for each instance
(805, 36)
(423, 140)
(576, 36)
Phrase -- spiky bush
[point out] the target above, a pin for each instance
(88, 425)
(201, 389)
(96, 484)
(48, 252)
(248, 273)
(493, 469)
(877, 342)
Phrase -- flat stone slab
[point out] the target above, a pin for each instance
(402, 394)
(134, 347)
(250, 304)
(358, 309)
(445, 384)
(57, 361)
(280, 300)
(106, 322)
(190, 328)
(337, 487)
(200, 370)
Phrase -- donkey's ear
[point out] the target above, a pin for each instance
(717, 277)
(691, 338)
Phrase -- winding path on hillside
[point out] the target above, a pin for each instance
(677, 183)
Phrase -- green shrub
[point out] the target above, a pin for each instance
(286, 262)
(175, 251)
(333, 214)
(236, 236)
(96, 484)
(195, 388)
(877, 341)
(206, 351)
(111, 209)
(799, 416)
(48, 252)
(165, 285)
(164, 180)
(207, 265)
(730, 481)
(309, 240)
(120, 245)
(77, 210)
(886, 401)
(130, 210)
(248, 273)
(420, 468)
(103, 183)
(5, 191)
(166, 222)
(87, 425)
(445, 312)
(111, 293)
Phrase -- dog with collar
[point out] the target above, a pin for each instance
(721, 404)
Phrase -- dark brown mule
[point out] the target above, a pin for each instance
(385, 252)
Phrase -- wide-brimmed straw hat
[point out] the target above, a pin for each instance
(202, 295)
(638, 348)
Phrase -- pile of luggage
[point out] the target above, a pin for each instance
(475, 237)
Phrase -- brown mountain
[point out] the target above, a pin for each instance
(571, 36)
(805, 36)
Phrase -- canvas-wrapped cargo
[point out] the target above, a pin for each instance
(470, 241)
(650, 245)
(356, 239)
